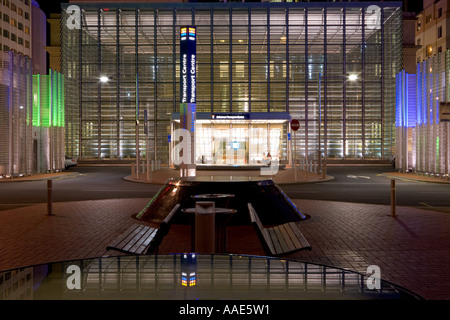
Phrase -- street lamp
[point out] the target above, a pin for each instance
(104, 79)
(350, 77)
(353, 77)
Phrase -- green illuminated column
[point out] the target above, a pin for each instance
(48, 120)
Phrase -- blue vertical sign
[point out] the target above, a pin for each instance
(188, 81)
(188, 77)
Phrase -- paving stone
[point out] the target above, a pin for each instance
(412, 249)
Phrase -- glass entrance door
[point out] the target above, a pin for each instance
(230, 144)
(220, 135)
(239, 143)
(243, 143)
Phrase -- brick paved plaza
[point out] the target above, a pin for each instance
(411, 249)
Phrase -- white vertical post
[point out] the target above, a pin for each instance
(205, 230)
(294, 156)
(147, 160)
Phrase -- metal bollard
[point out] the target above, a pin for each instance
(205, 230)
(295, 171)
(133, 171)
(393, 199)
(324, 169)
(149, 173)
(49, 198)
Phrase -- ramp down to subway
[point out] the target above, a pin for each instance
(270, 202)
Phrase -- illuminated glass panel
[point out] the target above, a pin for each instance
(48, 100)
(250, 58)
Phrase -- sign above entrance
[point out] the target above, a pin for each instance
(295, 124)
(230, 116)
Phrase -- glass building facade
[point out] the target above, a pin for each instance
(258, 67)
(16, 148)
(31, 118)
(423, 118)
(48, 122)
(433, 122)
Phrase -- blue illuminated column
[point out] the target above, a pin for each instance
(188, 93)
(405, 121)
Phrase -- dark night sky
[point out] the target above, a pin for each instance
(49, 6)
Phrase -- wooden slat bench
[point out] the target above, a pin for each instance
(280, 239)
(141, 239)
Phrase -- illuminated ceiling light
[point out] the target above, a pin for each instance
(104, 79)
(353, 77)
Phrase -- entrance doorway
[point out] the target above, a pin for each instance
(239, 143)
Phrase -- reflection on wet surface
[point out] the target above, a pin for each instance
(191, 277)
